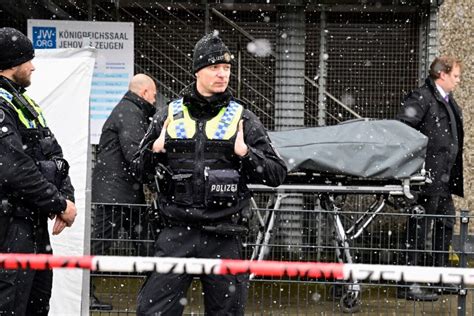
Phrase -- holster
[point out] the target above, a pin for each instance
(162, 178)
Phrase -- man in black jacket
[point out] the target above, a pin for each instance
(113, 183)
(207, 147)
(34, 180)
(432, 110)
(112, 180)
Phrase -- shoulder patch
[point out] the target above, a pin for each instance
(5, 94)
(2, 116)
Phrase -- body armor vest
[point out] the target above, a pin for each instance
(37, 138)
(35, 131)
(24, 118)
(204, 167)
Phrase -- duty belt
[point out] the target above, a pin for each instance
(220, 228)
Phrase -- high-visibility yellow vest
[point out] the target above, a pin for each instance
(221, 127)
(7, 96)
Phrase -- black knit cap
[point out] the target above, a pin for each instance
(210, 50)
(15, 48)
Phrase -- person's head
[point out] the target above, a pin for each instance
(143, 86)
(16, 53)
(446, 72)
(211, 65)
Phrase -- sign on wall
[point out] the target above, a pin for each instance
(113, 69)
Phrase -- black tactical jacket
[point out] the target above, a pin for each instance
(21, 150)
(261, 166)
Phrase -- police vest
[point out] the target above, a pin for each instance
(36, 135)
(28, 123)
(33, 135)
(222, 127)
(201, 154)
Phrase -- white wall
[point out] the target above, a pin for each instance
(61, 85)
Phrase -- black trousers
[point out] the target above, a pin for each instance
(165, 294)
(440, 227)
(25, 292)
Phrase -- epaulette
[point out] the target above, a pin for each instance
(239, 101)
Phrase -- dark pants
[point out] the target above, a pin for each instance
(25, 292)
(419, 229)
(120, 230)
(165, 294)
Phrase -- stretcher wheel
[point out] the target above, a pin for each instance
(350, 303)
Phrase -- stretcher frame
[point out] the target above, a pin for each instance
(350, 301)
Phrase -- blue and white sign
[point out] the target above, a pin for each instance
(44, 37)
(114, 66)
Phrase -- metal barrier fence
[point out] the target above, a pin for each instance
(303, 231)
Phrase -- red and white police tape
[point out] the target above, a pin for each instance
(337, 271)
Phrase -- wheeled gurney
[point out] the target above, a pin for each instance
(380, 158)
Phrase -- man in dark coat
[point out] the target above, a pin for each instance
(432, 110)
(112, 180)
(114, 186)
(207, 147)
(34, 181)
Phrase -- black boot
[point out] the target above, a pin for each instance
(415, 293)
(95, 304)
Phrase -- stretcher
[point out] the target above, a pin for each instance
(381, 158)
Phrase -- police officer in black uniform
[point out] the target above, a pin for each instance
(205, 147)
(34, 184)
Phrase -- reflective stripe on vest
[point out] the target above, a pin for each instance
(181, 125)
(7, 96)
(221, 127)
(38, 110)
(224, 125)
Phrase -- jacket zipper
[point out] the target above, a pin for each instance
(198, 169)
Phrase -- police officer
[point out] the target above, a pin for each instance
(35, 183)
(207, 147)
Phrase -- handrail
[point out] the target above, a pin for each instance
(312, 82)
(250, 37)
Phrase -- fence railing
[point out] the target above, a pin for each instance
(303, 231)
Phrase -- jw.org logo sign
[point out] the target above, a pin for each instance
(44, 37)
